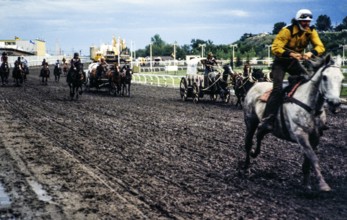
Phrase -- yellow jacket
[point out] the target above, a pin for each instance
(291, 38)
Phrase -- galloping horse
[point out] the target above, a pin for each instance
(75, 80)
(301, 115)
(126, 76)
(57, 72)
(44, 74)
(4, 73)
(18, 73)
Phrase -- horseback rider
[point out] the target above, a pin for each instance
(18, 64)
(17, 67)
(4, 68)
(57, 64)
(209, 63)
(75, 63)
(4, 59)
(288, 48)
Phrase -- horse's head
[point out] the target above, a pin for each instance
(258, 74)
(227, 70)
(331, 81)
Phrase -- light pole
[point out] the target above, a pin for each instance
(174, 53)
(268, 53)
(150, 55)
(132, 56)
(233, 46)
(202, 49)
(343, 53)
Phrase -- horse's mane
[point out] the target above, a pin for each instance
(311, 67)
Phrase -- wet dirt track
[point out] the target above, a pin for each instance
(152, 156)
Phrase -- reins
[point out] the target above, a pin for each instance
(309, 109)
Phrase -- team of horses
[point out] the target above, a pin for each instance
(116, 79)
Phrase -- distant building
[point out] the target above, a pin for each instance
(18, 47)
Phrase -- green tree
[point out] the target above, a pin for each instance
(157, 41)
(323, 23)
(342, 26)
(278, 26)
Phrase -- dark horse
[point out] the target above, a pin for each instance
(223, 83)
(300, 117)
(75, 80)
(57, 72)
(126, 76)
(243, 84)
(44, 74)
(4, 73)
(18, 73)
(115, 81)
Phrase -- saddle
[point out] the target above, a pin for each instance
(288, 91)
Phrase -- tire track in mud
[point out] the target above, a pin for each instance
(32, 111)
(165, 179)
(71, 149)
(47, 134)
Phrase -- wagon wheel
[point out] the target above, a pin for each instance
(183, 89)
(195, 93)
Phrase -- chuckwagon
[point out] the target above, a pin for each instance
(116, 80)
(105, 80)
(195, 84)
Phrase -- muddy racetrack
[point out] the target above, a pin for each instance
(152, 156)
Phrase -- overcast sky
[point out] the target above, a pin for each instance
(75, 25)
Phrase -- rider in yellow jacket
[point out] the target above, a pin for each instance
(289, 48)
(292, 39)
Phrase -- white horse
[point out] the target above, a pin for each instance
(298, 119)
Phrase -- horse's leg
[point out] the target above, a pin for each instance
(76, 92)
(303, 140)
(124, 90)
(306, 171)
(251, 127)
(239, 98)
(71, 92)
(81, 90)
(260, 135)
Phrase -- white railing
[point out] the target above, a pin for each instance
(166, 80)
(156, 80)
